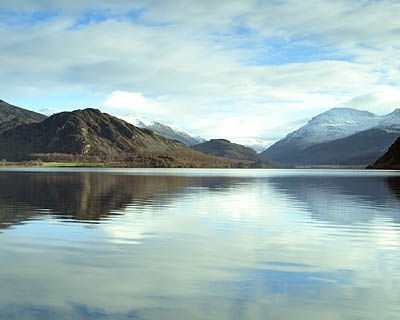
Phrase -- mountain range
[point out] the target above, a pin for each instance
(340, 136)
(175, 133)
(90, 135)
(166, 131)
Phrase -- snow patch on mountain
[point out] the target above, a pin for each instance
(390, 121)
(167, 131)
(258, 145)
(339, 123)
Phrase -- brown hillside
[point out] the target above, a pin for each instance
(90, 134)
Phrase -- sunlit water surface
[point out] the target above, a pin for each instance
(199, 244)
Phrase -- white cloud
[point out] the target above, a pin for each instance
(382, 100)
(259, 145)
(230, 126)
(49, 111)
(190, 65)
(128, 102)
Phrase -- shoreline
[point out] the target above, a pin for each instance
(53, 164)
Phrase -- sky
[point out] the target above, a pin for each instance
(218, 69)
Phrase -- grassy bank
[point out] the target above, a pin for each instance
(192, 159)
(24, 164)
(72, 164)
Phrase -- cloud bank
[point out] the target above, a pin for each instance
(226, 68)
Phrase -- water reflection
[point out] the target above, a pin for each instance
(90, 197)
(238, 245)
(343, 199)
(394, 184)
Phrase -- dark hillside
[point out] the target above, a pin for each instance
(225, 148)
(90, 134)
(391, 159)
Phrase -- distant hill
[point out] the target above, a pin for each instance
(226, 149)
(340, 136)
(12, 116)
(91, 134)
(390, 160)
(359, 149)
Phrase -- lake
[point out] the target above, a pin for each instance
(199, 244)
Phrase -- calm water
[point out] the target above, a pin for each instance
(199, 244)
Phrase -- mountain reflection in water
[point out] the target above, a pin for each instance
(343, 199)
(199, 244)
(90, 197)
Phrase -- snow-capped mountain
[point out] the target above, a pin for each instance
(331, 125)
(335, 135)
(339, 123)
(390, 121)
(164, 130)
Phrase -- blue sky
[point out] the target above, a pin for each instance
(233, 69)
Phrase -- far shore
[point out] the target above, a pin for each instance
(64, 164)
(26, 164)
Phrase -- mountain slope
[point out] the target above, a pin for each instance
(331, 125)
(9, 112)
(358, 149)
(12, 116)
(90, 133)
(166, 131)
(390, 160)
(323, 139)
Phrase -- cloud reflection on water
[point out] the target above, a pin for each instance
(271, 245)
